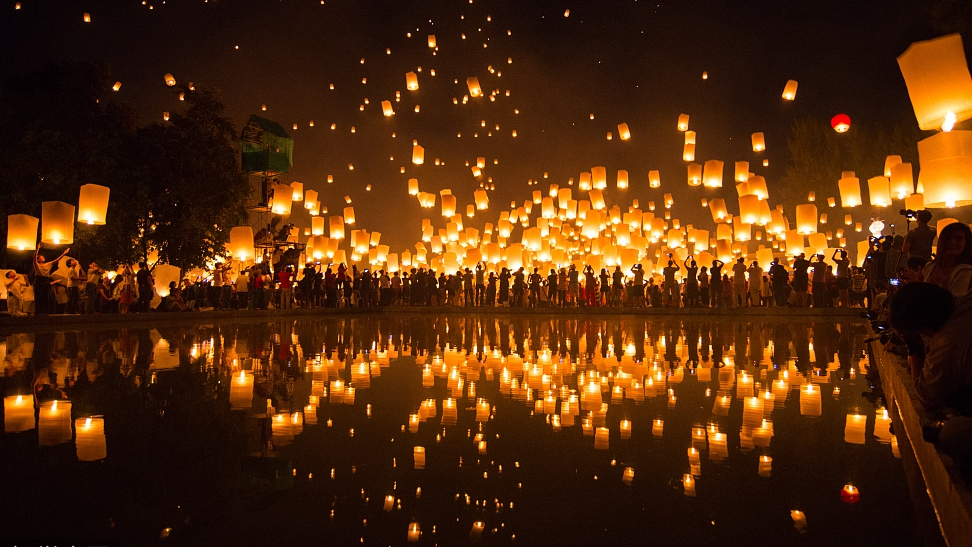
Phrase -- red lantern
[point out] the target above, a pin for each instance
(840, 123)
(850, 494)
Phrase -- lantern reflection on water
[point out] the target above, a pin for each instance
(90, 439)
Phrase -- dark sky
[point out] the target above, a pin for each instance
(634, 62)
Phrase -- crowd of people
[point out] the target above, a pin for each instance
(63, 286)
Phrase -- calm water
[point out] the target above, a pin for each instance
(536, 431)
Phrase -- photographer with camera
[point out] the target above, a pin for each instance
(917, 248)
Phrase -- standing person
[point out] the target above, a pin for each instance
(704, 286)
(858, 292)
(562, 287)
(691, 282)
(468, 288)
(519, 287)
(285, 280)
(242, 290)
(490, 298)
(638, 286)
(73, 276)
(766, 292)
(755, 284)
(778, 280)
(256, 288)
(552, 286)
(43, 297)
(15, 284)
(127, 291)
(91, 287)
(819, 281)
(727, 290)
(715, 281)
(146, 287)
(573, 285)
(504, 287)
(739, 283)
(917, 247)
(617, 283)
(590, 286)
(843, 277)
(671, 286)
(801, 279)
(480, 282)
(604, 283)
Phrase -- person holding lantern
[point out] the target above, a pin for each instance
(43, 296)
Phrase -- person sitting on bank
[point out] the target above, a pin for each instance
(942, 366)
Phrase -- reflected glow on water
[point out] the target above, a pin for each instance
(389, 430)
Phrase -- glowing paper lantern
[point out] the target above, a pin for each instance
(90, 440)
(759, 142)
(741, 171)
(418, 154)
(349, 215)
(448, 205)
(310, 198)
(712, 174)
(599, 177)
(688, 152)
(482, 199)
(717, 206)
(850, 191)
(622, 179)
(789, 90)
(170, 80)
(241, 242)
(93, 204)
(915, 202)
(22, 232)
(336, 227)
(654, 179)
(879, 189)
(694, 174)
(749, 209)
(386, 109)
(473, 84)
(806, 218)
(889, 163)
(283, 199)
(57, 223)
(902, 180)
(840, 123)
(411, 81)
(683, 122)
(690, 137)
(946, 169)
(432, 41)
(317, 226)
(938, 80)
(623, 131)
(413, 188)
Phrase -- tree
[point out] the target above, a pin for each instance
(176, 188)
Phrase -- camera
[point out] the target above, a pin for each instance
(894, 282)
(908, 213)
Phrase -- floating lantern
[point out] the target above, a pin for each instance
(623, 132)
(298, 191)
(683, 122)
(789, 90)
(53, 422)
(741, 171)
(806, 218)
(432, 41)
(946, 169)
(473, 84)
(840, 123)
(938, 81)
(712, 174)
(413, 188)
(915, 202)
(850, 191)
(116, 87)
(599, 177)
(799, 519)
(57, 223)
(759, 142)
(241, 243)
(90, 439)
(889, 163)
(850, 494)
(902, 180)
(418, 154)
(386, 109)
(694, 174)
(283, 199)
(18, 413)
(622, 179)
(22, 232)
(414, 531)
(879, 189)
(310, 197)
(170, 80)
(654, 178)
(349, 215)
(411, 81)
(688, 152)
(336, 227)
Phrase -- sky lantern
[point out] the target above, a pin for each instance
(411, 81)
(850, 191)
(170, 80)
(448, 205)
(759, 142)
(283, 199)
(694, 174)
(598, 177)
(93, 204)
(623, 132)
(336, 227)
(741, 171)
(806, 218)
(757, 187)
(472, 83)
(482, 199)
(890, 162)
(57, 223)
(654, 178)
(116, 87)
(297, 188)
(241, 243)
(386, 109)
(688, 152)
(683, 122)
(418, 154)
(915, 202)
(712, 174)
(413, 188)
(946, 169)
(690, 137)
(310, 197)
(938, 81)
(879, 189)
(717, 206)
(432, 41)
(902, 180)
(22, 232)
(622, 179)
(840, 123)
(749, 209)
(789, 90)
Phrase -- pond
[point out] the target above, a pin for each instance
(446, 430)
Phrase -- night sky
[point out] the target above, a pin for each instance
(633, 62)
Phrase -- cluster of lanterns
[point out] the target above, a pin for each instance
(58, 219)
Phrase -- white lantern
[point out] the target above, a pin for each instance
(938, 81)
(57, 223)
(241, 243)
(946, 169)
(93, 204)
(22, 232)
